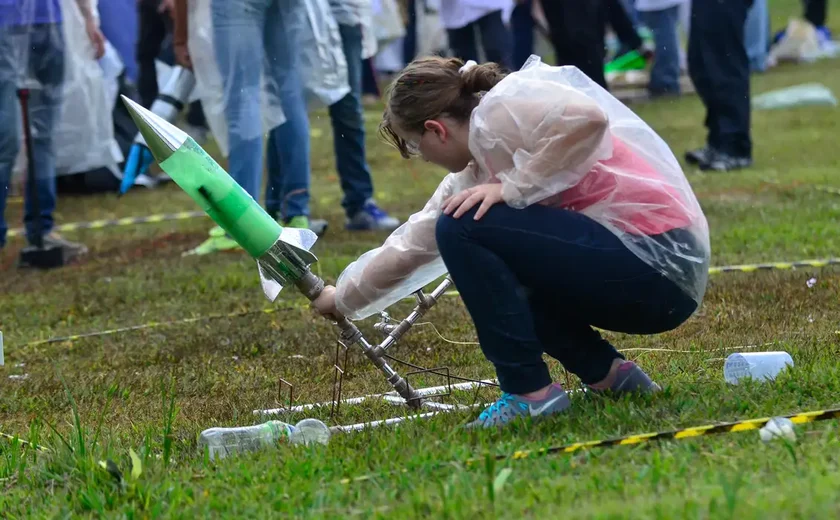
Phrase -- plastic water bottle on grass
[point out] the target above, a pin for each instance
(221, 442)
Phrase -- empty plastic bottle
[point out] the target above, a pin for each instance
(310, 431)
(221, 442)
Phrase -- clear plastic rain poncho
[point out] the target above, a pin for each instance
(322, 63)
(44, 46)
(550, 135)
(84, 138)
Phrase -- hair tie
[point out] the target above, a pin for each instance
(467, 66)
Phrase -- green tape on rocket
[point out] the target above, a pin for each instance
(230, 206)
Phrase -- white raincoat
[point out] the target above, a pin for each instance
(323, 66)
(551, 135)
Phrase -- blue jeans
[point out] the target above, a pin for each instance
(253, 37)
(665, 74)
(348, 127)
(757, 35)
(538, 280)
(36, 51)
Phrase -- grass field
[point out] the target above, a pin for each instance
(151, 391)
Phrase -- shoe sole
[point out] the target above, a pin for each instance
(711, 168)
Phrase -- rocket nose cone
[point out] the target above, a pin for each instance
(161, 136)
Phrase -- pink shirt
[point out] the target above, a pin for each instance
(640, 202)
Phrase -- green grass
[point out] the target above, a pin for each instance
(151, 391)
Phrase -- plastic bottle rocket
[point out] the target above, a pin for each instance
(168, 104)
(282, 254)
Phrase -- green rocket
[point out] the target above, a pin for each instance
(282, 254)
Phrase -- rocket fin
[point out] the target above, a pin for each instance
(271, 288)
(301, 241)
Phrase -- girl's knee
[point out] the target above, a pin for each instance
(449, 230)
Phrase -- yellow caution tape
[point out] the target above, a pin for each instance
(640, 438)
(23, 442)
(745, 268)
(120, 222)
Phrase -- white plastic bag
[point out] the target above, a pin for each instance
(323, 64)
(800, 43)
(431, 36)
(84, 135)
(387, 21)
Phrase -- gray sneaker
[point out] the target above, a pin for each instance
(723, 162)
(630, 379)
(510, 406)
(698, 156)
(70, 250)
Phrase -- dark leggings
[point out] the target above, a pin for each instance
(537, 280)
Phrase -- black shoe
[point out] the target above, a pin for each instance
(698, 156)
(723, 162)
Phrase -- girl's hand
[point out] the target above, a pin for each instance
(487, 194)
(324, 304)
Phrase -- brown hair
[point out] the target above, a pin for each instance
(430, 87)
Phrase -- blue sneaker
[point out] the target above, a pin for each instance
(510, 406)
(372, 218)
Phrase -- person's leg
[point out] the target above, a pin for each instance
(195, 115)
(571, 340)
(151, 35)
(702, 80)
(522, 27)
(632, 13)
(347, 118)
(665, 74)
(237, 28)
(496, 39)
(369, 85)
(718, 58)
(11, 72)
(622, 24)
(47, 65)
(237, 32)
(577, 34)
(410, 40)
(462, 42)
(568, 259)
(291, 142)
(816, 12)
(757, 34)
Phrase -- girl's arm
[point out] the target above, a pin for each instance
(407, 261)
(538, 138)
